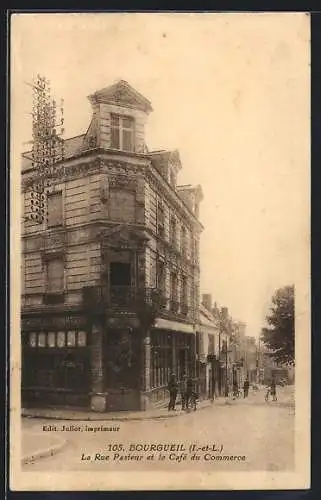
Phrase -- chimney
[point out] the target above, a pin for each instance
(207, 301)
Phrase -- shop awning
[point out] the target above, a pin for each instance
(166, 324)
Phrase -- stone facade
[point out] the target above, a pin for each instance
(116, 255)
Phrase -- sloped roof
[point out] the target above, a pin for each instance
(73, 145)
(121, 93)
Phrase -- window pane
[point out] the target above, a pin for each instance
(122, 205)
(51, 339)
(61, 339)
(82, 339)
(55, 275)
(42, 340)
(71, 339)
(114, 120)
(33, 339)
(115, 138)
(128, 122)
(128, 140)
(54, 206)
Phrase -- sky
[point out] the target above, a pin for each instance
(231, 93)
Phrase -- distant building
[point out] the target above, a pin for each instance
(207, 349)
(119, 244)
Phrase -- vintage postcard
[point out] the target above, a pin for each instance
(160, 251)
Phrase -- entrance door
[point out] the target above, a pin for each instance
(122, 369)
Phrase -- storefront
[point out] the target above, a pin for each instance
(55, 361)
(67, 359)
(172, 351)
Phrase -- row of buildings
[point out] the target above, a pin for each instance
(110, 272)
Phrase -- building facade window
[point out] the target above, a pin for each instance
(55, 209)
(160, 220)
(122, 205)
(183, 241)
(122, 132)
(173, 292)
(172, 232)
(160, 272)
(55, 275)
(211, 344)
(184, 295)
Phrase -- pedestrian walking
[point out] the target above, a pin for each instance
(236, 391)
(273, 390)
(246, 388)
(172, 388)
(183, 391)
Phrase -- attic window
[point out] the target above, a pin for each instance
(122, 132)
(172, 179)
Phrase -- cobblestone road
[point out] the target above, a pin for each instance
(261, 432)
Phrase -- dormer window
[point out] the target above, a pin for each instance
(172, 179)
(122, 132)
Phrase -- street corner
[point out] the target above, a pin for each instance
(36, 446)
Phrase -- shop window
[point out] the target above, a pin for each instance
(33, 340)
(61, 339)
(42, 340)
(54, 209)
(71, 339)
(51, 339)
(82, 339)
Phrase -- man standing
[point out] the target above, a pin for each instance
(273, 390)
(246, 388)
(183, 391)
(172, 388)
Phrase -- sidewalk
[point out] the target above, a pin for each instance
(83, 415)
(36, 446)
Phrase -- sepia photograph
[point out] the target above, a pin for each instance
(160, 251)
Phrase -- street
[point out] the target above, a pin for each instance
(262, 433)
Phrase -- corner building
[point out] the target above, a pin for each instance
(110, 278)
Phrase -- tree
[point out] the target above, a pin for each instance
(279, 335)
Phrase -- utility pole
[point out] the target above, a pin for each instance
(48, 150)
